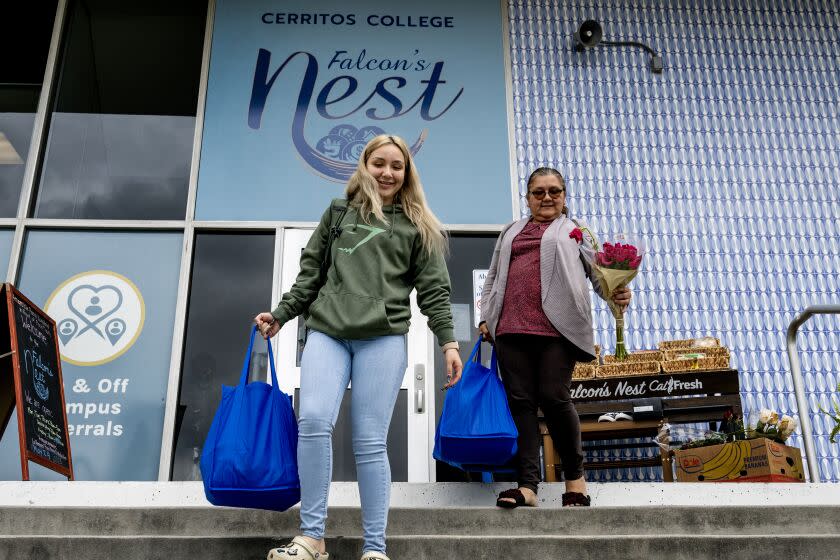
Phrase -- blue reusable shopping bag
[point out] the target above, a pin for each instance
(250, 455)
(476, 430)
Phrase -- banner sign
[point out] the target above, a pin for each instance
(664, 385)
(297, 89)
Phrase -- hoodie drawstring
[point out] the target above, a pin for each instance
(393, 218)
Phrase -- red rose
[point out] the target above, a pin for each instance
(577, 235)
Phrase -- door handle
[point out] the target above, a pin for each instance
(419, 388)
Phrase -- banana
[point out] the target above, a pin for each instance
(732, 464)
(719, 460)
(743, 450)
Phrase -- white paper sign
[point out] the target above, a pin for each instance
(479, 276)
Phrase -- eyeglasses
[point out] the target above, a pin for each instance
(539, 194)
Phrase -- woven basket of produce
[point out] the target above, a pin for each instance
(704, 342)
(704, 364)
(638, 356)
(621, 369)
(695, 352)
(584, 371)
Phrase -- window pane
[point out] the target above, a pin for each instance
(231, 282)
(26, 32)
(112, 295)
(6, 238)
(121, 134)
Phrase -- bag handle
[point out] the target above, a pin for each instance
(475, 355)
(243, 378)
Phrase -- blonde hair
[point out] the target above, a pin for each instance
(363, 193)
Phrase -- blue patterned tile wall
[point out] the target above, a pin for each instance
(728, 164)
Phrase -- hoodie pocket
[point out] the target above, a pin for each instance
(351, 315)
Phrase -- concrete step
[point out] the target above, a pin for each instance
(532, 547)
(173, 521)
(212, 521)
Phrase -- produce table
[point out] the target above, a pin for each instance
(684, 398)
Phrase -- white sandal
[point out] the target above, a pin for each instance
(298, 549)
(372, 555)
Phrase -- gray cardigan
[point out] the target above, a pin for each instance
(563, 274)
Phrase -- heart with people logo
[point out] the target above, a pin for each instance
(92, 305)
(99, 315)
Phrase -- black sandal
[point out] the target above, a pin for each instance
(576, 499)
(514, 494)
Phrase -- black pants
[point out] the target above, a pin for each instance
(537, 373)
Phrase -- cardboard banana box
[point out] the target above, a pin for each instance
(751, 460)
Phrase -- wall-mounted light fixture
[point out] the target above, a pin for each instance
(589, 36)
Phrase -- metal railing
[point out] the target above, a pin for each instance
(796, 373)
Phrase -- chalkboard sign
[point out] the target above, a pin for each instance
(32, 360)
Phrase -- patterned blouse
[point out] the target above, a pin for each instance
(522, 310)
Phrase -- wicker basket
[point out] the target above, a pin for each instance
(705, 364)
(685, 343)
(583, 371)
(710, 352)
(627, 368)
(639, 356)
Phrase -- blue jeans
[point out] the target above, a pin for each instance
(376, 367)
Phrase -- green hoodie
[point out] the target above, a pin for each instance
(373, 268)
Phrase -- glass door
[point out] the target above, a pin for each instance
(469, 256)
(409, 441)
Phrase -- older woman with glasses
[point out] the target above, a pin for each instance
(536, 310)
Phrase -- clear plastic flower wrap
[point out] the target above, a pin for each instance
(682, 436)
(765, 423)
(614, 264)
(768, 423)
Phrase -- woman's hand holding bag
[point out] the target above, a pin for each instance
(485, 333)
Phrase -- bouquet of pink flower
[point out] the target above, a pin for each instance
(614, 266)
(619, 256)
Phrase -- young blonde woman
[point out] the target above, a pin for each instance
(367, 254)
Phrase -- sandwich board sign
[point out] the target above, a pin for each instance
(31, 383)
